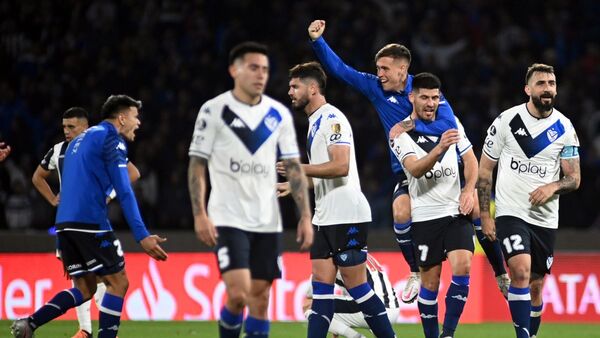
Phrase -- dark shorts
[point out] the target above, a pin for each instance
(257, 251)
(83, 252)
(332, 239)
(433, 239)
(519, 237)
(402, 187)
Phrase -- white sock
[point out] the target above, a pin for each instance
(84, 316)
(100, 291)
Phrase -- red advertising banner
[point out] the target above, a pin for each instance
(187, 287)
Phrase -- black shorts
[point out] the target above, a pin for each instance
(433, 239)
(401, 187)
(332, 239)
(84, 252)
(519, 237)
(257, 251)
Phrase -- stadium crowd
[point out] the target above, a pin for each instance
(172, 55)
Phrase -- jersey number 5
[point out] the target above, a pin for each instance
(223, 257)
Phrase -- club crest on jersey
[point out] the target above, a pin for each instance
(271, 122)
(552, 135)
(336, 128)
(549, 262)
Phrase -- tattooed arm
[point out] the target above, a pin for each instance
(569, 182)
(484, 192)
(205, 229)
(298, 187)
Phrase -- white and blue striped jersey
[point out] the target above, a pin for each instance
(242, 144)
(528, 151)
(337, 200)
(54, 158)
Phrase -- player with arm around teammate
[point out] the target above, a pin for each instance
(388, 92)
(342, 212)
(95, 161)
(236, 138)
(532, 143)
(441, 228)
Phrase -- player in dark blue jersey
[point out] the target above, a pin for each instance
(94, 162)
(388, 92)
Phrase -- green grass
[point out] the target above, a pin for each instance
(135, 329)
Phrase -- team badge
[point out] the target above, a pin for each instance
(552, 135)
(271, 122)
(549, 262)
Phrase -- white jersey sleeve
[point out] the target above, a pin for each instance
(494, 141)
(208, 124)
(337, 131)
(403, 147)
(570, 149)
(287, 142)
(463, 144)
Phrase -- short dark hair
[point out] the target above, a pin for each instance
(77, 112)
(116, 103)
(312, 70)
(538, 67)
(426, 81)
(395, 51)
(240, 50)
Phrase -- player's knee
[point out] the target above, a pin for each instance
(432, 284)
(237, 298)
(401, 215)
(520, 275)
(350, 257)
(462, 267)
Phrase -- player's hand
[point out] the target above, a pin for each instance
(54, 202)
(467, 201)
(449, 137)
(316, 29)
(280, 168)
(542, 194)
(305, 234)
(283, 189)
(206, 230)
(4, 151)
(151, 245)
(488, 227)
(401, 127)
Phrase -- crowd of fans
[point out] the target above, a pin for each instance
(172, 55)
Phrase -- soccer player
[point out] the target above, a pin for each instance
(95, 161)
(74, 122)
(238, 136)
(347, 314)
(342, 212)
(388, 92)
(4, 151)
(532, 143)
(441, 228)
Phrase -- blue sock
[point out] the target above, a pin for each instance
(519, 302)
(405, 243)
(373, 309)
(492, 250)
(110, 316)
(456, 298)
(321, 310)
(428, 308)
(535, 318)
(230, 325)
(58, 305)
(257, 328)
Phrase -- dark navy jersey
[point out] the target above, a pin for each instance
(392, 107)
(96, 161)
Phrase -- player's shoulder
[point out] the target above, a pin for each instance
(215, 105)
(563, 119)
(333, 114)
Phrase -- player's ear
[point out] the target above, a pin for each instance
(233, 70)
(411, 97)
(527, 90)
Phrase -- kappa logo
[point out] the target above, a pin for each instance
(237, 123)
(521, 132)
(121, 146)
(422, 139)
(392, 99)
(426, 316)
(552, 135)
(461, 298)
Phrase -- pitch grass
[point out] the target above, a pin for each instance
(164, 329)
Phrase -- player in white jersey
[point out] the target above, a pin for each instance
(532, 143)
(347, 314)
(74, 122)
(441, 228)
(342, 212)
(238, 135)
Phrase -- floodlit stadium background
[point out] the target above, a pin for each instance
(173, 55)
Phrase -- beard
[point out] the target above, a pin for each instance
(541, 106)
(300, 104)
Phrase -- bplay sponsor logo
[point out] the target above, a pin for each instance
(440, 173)
(248, 168)
(523, 167)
